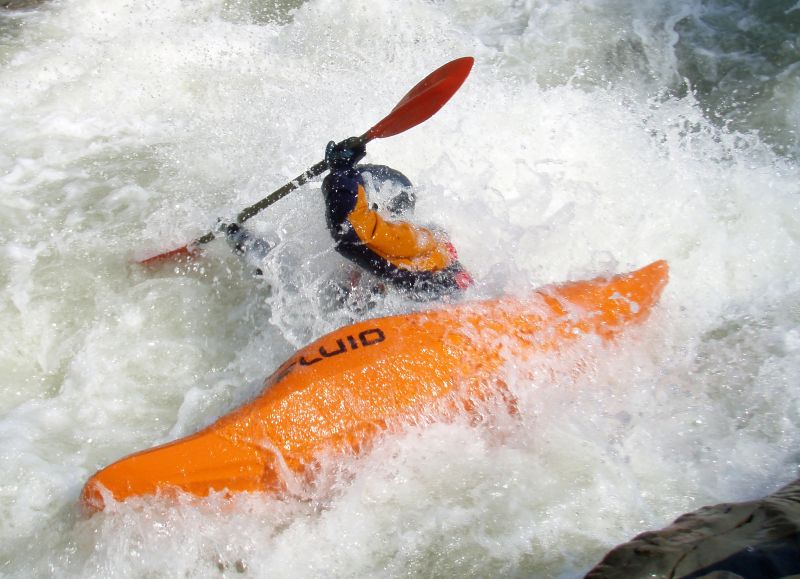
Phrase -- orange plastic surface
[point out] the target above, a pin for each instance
(340, 392)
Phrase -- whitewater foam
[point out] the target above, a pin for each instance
(576, 148)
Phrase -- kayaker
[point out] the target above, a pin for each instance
(417, 260)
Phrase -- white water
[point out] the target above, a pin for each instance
(127, 128)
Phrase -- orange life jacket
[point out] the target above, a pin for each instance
(401, 244)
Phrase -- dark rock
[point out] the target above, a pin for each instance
(20, 4)
(754, 539)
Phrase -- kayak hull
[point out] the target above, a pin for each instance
(345, 389)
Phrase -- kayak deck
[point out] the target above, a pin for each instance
(342, 391)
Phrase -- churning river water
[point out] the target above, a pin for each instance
(592, 137)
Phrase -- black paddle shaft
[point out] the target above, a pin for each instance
(301, 179)
(298, 181)
(428, 96)
(249, 212)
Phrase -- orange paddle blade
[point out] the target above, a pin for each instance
(425, 99)
(188, 251)
(418, 105)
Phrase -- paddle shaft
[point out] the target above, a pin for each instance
(419, 104)
(301, 179)
(277, 195)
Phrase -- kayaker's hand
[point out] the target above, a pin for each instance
(345, 154)
(234, 235)
(225, 227)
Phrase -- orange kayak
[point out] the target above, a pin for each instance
(342, 391)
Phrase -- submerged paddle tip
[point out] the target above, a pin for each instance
(187, 251)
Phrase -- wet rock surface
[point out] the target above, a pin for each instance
(19, 4)
(751, 539)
